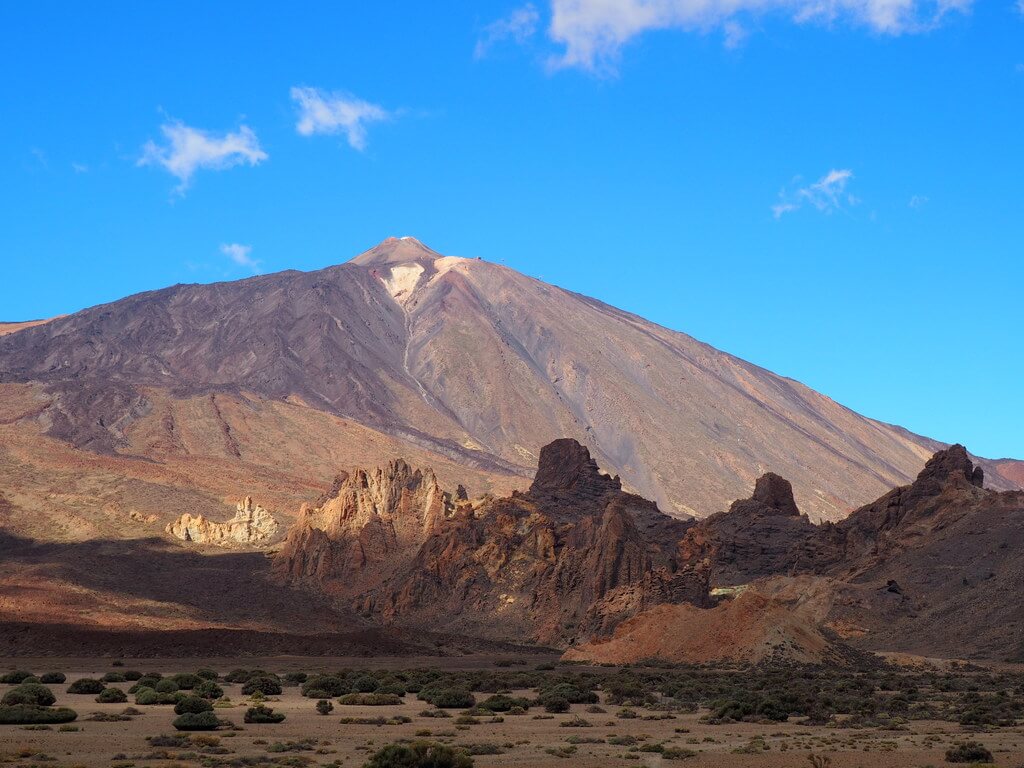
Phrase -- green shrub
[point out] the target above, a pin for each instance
(113, 677)
(556, 704)
(451, 698)
(192, 705)
(295, 678)
(207, 674)
(238, 676)
(268, 686)
(166, 686)
(132, 675)
(112, 696)
(393, 687)
(148, 696)
(15, 677)
(370, 699)
(968, 752)
(53, 678)
(196, 721)
(324, 687)
(365, 684)
(419, 754)
(26, 714)
(31, 694)
(146, 681)
(86, 685)
(502, 703)
(261, 714)
(208, 689)
(324, 707)
(186, 681)
(570, 693)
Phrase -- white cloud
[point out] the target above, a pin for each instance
(79, 167)
(827, 194)
(593, 32)
(919, 201)
(241, 255)
(326, 112)
(519, 26)
(189, 149)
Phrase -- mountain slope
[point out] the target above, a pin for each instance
(468, 363)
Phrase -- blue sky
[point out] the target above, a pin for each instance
(828, 189)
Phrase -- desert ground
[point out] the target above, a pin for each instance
(587, 735)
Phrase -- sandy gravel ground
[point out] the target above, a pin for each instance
(525, 740)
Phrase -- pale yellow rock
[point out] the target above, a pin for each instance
(252, 525)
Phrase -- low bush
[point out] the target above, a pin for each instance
(196, 721)
(419, 754)
(166, 686)
(324, 707)
(268, 686)
(53, 678)
(207, 674)
(132, 675)
(186, 681)
(238, 676)
(146, 681)
(113, 677)
(261, 714)
(968, 752)
(370, 699)
(365, 684)
(15, 677)
(449, 698)
(555, 704)
(148, 697)
(192, 705)
(295, 678)
(208, 689)
(86, 685)
(27, 714)
(502, 703)
(112, 696)
(31, 694)
(325, 687)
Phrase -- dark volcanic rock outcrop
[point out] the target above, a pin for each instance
(567, 560)
(757, 537)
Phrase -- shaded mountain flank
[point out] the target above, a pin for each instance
(263, 387)
(576, 562)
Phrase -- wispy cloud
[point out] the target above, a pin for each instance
(190, 149)
(241, 255)
(827, 194)
(593, 32)
(335, 112)
(918, 201)
(519, 26)
(79, 167)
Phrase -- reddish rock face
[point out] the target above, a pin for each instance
(920, 569)
(352, 539)
(567, 560)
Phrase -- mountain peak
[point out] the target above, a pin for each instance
(396, 250)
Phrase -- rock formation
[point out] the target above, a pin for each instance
(367, 526)
(568, 559)
(252, 525)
